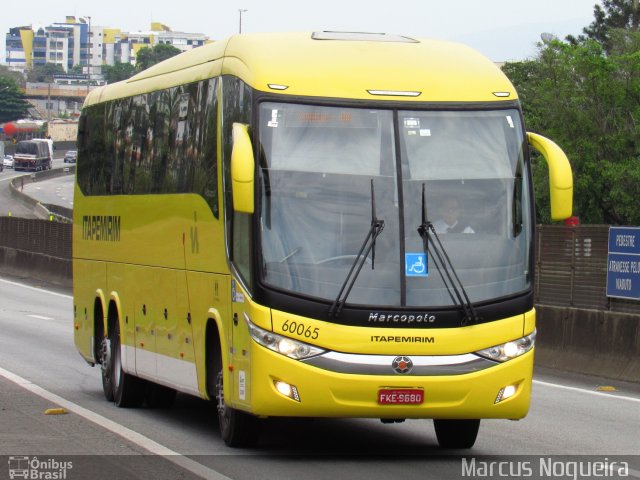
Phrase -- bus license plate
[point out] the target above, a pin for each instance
(403, 396)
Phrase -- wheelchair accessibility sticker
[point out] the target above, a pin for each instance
(415, 265)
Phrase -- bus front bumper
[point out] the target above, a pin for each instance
(319, 392)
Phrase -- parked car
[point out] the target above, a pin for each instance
(7, 162)
(71, 156)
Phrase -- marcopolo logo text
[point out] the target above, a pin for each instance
(375, 317)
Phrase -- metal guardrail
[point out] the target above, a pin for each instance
(37, 236)
(571, 268)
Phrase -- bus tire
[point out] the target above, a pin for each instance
(459, 434)
(106, 368)
(128, 390)
(237, 428)
(103, 352)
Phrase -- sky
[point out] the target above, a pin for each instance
(502, 30)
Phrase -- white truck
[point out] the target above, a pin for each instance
(32, 155)
(49, 143)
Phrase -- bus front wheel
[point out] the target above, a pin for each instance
(456, 433)
(237, 428)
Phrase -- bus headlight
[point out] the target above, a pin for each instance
(509, 350)
(282, 345)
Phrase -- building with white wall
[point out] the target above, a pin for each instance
(81, 41)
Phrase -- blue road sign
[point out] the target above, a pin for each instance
(415, 265)
(623, 263)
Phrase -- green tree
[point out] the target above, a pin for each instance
(611, 16)
(118, 72)
(13, 106)
(15, 76)
(588, 101)
(77, 69)
(148, 57)
(44, 73)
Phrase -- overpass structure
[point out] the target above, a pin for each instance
(53, 100)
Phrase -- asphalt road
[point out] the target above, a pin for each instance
(58, 191)
(8, 204)
(568, 417)
(54, 191)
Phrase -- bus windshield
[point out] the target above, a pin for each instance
(317, 167)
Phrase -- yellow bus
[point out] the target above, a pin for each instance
(259, 222)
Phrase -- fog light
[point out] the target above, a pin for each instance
(505, 392)
(287, 390)
(509, 392)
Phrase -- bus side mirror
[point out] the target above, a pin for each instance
(560, 177)
(242, 169)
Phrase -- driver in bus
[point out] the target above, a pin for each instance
(449, 221)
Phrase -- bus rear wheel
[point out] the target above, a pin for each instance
(106, 368)
(128, 391)
(456, 433)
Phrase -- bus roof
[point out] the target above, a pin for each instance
(331, 64)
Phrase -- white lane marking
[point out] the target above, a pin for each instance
(126, 433)
(7, 179)
(582, 390)
(41, 290)
(40, 317)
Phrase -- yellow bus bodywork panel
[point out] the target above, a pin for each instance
(529, 322)
(171, 231)
(162, 311)
(85, 293)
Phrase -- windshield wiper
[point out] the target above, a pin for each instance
(368, 246)
(436, 250)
